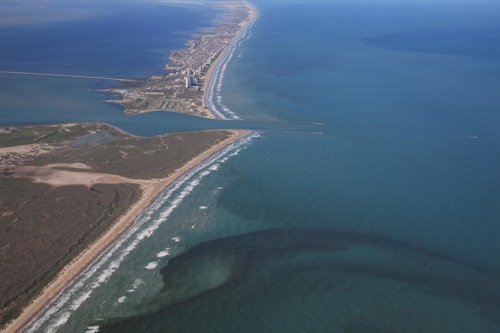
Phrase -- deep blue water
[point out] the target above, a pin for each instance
(411, 138)
(388, 222)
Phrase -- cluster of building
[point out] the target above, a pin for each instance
(181, 88)
(200, 54)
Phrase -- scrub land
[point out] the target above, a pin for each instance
(74, 188)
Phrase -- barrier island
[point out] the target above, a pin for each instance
(69, 191)
(187, 79)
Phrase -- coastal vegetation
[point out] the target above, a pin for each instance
(68, 191)
(63, 186)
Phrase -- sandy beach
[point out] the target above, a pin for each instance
(243, 27)
(150, 190)
(188, 85)
(55, 176)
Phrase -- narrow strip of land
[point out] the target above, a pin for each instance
(70, 76)
(188, 84)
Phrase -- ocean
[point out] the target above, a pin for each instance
(387, 221)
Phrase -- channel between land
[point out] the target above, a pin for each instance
(150, 192)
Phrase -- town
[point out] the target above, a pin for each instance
(181, 89)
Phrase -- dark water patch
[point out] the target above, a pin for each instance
(274, 262)
(479, 43)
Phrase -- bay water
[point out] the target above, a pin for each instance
(388, 221)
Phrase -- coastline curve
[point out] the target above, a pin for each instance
(93, 267)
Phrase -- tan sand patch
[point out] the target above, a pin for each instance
(54, 177)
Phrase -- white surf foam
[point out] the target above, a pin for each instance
(63, 318)
(79, 301)
(121, 299)
(214, 86)
(74, 295)
(92, 329)
(135, 285)
(151, 265)
(163, 254)
(219, 73)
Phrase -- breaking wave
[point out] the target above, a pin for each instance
(58, 312)
(214, 86)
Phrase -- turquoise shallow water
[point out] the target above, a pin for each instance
(388, 222)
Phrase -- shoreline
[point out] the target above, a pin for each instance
(150, 189)
(187, 87)
(223, 59)
(78, 265)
